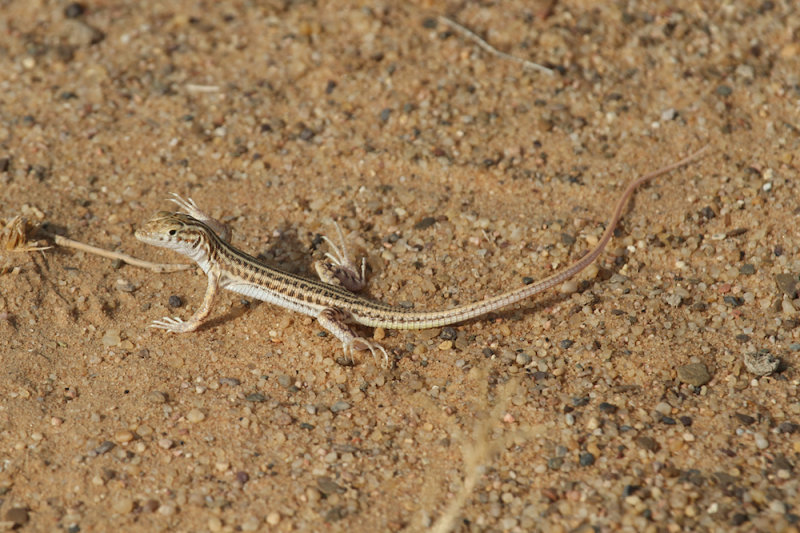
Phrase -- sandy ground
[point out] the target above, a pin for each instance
(622, 405)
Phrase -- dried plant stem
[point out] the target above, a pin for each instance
(469, 34)
(155, 267)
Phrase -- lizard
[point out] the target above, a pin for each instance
(333, 299)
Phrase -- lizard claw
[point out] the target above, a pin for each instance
(187, 205)
(360, 343)
(172, 324)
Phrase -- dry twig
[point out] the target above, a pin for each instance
(16, 235)
(469, 34)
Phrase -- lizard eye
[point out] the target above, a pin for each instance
(173, 231)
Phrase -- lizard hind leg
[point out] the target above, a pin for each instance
(338, 267)
(335, 321)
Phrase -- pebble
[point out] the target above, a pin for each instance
(273, 518)
(74, 10)
(250, 523)
(425, 223)
(77, 33)
(761, 441)
(339, 406)
(156, 397)
(695, 374)
(124, 285)
(609, 408)
(111, 338)
(568, 287)
(165, 443)
(195, 415)
(174, 301)
(668, 114)
(648, 443)
(122, 505)
(214, 524)
(105, 447)
(733, 301)
(327, 486)
(724, 90)
(255, 397)
(448, 334)
(123, 436)
(523, 359)
(787, 283)
(166, 510)
(777, 506)
(18, 516)
(744, 419)
(586, 459)
(151, 505)
(231, 382)
(761, 363)
(664, 408)
(747, 269)
(673, 300)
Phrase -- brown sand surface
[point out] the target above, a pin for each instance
(621, 404)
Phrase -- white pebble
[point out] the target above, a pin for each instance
(273, 518)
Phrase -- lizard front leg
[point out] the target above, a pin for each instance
(177, 325)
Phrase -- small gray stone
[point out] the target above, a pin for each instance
(695, 374)
(608, 408)
(724, 90)
(327, 486)
(425, 223)
(787, 283)
(448, 334)
(255, 397)
(105, 447)
(339, 406)
(648, 443)
(747, 269)
(761, 363)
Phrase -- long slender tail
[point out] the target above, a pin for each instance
(432, 319)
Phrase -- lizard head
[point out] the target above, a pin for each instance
(176, 231)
